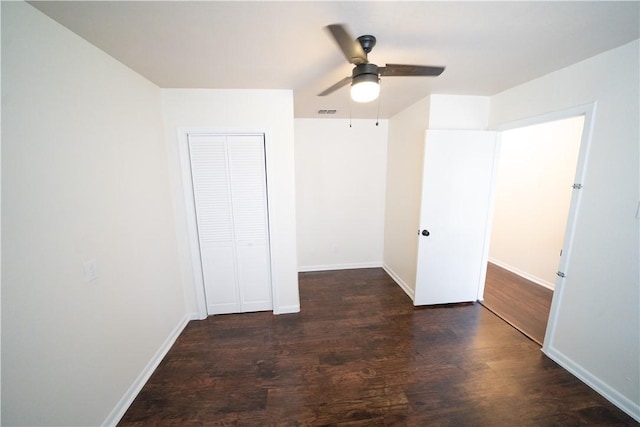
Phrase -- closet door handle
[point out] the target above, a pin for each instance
(425, 232)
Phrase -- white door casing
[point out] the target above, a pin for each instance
(455, 207)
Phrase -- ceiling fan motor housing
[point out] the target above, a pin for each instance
(364, 72)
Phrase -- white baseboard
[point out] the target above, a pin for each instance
(121, 407)
(287, 309)
(407, 290)
(327, 267)
(524, 274)
(613, 396)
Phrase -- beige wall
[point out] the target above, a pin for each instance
(84, 176)
(536, 170)
(403, 193)
(340, 182)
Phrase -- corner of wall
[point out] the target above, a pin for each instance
(610, 393)
(464, 112)
(127, 399)
(405, 145)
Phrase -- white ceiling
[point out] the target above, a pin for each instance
(487, 47)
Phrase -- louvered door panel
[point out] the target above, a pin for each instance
(229, 185)
(248, 186)
(247, 170)
(211, 188)
(214, 217)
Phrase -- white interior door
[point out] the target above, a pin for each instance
(456, 190)
(229, 188)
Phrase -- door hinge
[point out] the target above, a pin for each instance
(576, 186)
(560, 274)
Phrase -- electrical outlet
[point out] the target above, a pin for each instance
(91, 269)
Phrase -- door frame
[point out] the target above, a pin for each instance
(588, 111)
(190, 209)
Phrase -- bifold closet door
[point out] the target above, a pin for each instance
(230, 194)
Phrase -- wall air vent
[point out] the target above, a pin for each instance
(327, 111)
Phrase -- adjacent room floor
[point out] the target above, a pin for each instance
(360, 354)
(522, 303)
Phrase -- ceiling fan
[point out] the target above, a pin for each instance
(365, 77)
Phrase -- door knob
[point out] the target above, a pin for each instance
(425, 232)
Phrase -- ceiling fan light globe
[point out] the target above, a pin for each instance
(365, 91)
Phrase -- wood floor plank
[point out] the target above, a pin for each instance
(360, 354)
(520, 302)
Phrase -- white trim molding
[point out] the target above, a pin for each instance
(287, 309)
(589, 111)
(406, 288)
(622, 402)
(328, 267)
(127, 399)
(523, 274)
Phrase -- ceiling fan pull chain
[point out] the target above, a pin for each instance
(378, 111)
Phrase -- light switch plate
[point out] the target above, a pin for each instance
(91, 269)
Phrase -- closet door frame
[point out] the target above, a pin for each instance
(187, 187)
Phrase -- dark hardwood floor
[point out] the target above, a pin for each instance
(360, 354)
(520, 302)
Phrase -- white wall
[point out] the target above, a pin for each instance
(264, 111)
(84, 175)
(461, 112)
(0, 229)
(596, 333)
(536, 170)
(405, 151)
(340, 189)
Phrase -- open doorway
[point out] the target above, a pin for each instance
(533, 189)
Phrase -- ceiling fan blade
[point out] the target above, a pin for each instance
(410, 70)
(350, 47)
(336, 86)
